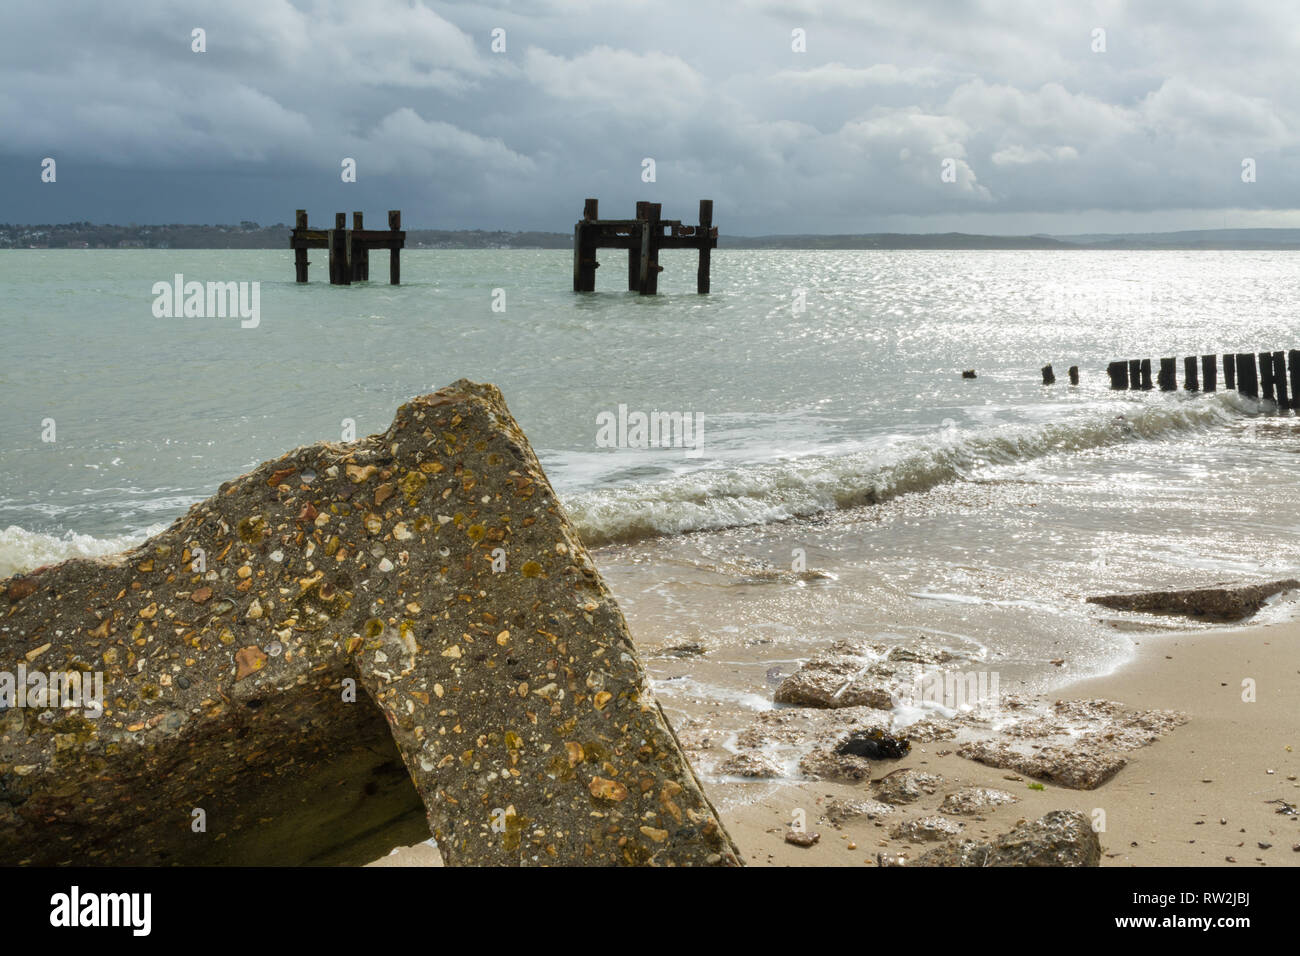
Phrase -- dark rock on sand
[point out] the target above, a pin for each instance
(1218, 603)
(1058, 838)
(404, 628)
(833, 682)
(874, 744)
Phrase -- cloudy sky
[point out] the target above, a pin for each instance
(1041, 131)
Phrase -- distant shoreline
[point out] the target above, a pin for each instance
(253, 236)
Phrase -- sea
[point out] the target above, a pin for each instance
(843, 483)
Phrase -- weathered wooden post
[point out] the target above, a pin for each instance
(1049, 377)
(340, 240)
(299, 251)
(1134, 373)
(634, 248)
(1279, 379)
(584, 248)
(1146, 375)
(1190, 382)
(1294, 357)
(1247, 383)
(1266, 374)
(705, 232)
(394, 251)
(1229, 370)
(1167, 379)
(360, 252)
(1074, 375)
(1209, 373)
(650, 235)
(1118, 372)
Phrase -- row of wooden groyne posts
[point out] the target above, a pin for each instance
(1253, 374)
(642, 236)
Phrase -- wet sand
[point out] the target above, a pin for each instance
(1164, 809)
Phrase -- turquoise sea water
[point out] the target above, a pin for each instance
(836, 422)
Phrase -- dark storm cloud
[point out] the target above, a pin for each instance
(1040, 132)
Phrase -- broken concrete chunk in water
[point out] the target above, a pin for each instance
(1078, 767)
(1078, 744)
(831, 683)
(1058, 838)
(750, 763)
(412, 639)
(1218, 603)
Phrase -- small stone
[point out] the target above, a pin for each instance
(801, 838)
(604, 789)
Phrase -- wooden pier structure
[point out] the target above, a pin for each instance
(642, 237)
(349, 248)
(1273, 376)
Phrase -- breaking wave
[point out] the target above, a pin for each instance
(758, 493)
(22, 550)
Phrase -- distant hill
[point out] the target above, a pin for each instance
(250, 235)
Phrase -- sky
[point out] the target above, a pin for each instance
(835, 116)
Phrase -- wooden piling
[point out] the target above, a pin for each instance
(1279, 380)
(1247, 383)
(584, 248)
(299, 251)
(1134, 373)
(1209, 373)
(642, 237)
(1266, 374)
(1190, 378)
(1146, 375)
(705, 230)
(1074, 375)
(1167, 378)
(1049, 377)
(634, 249)
(359, 254)
(394, 251)
(349, 249)
(1294, 357)
(1118, 372)
(651, 233)
(1229, 370)
(340, 270)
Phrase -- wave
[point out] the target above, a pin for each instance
(738, 495)
(22, 550)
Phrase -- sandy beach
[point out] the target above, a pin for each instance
(1196, 797)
